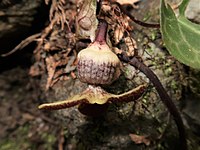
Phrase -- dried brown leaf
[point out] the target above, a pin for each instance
(35, 70)
(117, 50)
(139, 139)
(131, 2)
(118, 34)
(131, 44)
(51, 67)
(28, 116)
(73, 75)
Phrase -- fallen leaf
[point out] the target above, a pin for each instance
(117, 50)
(27, 116)
(140, 139)
(35, 70)
(131, 44)
(131, 2)
(73, 75)
(51, 67)
(119, 32)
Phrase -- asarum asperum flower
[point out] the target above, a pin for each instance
(95, 95)
(97, 65)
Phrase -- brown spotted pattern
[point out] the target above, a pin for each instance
(96, 73)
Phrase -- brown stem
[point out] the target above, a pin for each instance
(163, 95)
(102, 31)
(123, 9)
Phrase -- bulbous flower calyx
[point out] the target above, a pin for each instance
(97, 64)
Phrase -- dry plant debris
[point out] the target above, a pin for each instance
(56, 48)
(57, 45)
(130, 2)
(86, 20)
(140, 139)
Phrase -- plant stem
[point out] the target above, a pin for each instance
(163, 95)
(102, 31)
(144, 24)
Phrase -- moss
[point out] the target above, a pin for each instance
(18, 142)
(153, 35)
(12, 144)
(49, 141)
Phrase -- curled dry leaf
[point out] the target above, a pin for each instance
(106, 7)
(117, 50)
(51, 68)
(131, 44)
(121, 29)
(120, 23)
(119, 32)
(70, 67)
(131, 2)
(35, 70)
(53, 63)
(140, 139)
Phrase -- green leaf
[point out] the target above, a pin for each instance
(181, 37)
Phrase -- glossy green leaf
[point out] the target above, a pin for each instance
(181, 37)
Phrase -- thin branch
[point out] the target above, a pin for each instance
(134, 19)
(23, 44)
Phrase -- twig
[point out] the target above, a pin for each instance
(134, 19)
(23, 44)
(61, 140)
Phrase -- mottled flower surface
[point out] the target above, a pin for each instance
(95, 95)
